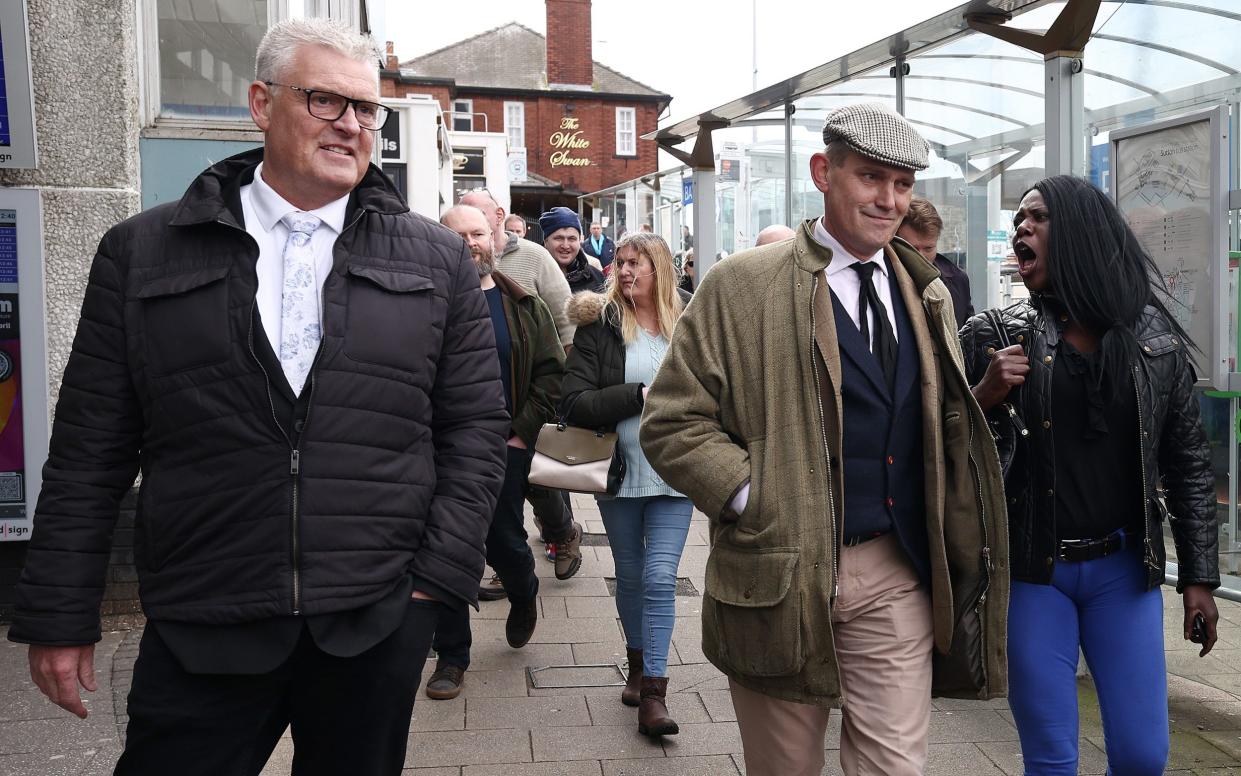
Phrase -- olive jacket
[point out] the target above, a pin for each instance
(750, 392)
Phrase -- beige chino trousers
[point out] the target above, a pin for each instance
(881, 622)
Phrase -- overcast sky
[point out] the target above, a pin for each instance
(699, 52)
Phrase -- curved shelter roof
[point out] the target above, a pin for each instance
(967, 91)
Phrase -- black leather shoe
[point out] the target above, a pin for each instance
(445, 683)
(522, 617)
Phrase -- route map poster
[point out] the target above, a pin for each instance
(23, 361)
(1165, 182)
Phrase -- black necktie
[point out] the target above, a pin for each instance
(883, 344)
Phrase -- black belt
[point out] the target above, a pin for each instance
(1078, 550)
(853, 541)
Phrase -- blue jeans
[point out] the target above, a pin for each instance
(647, 536)
(1104, 606)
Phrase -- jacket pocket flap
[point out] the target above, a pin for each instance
(571, 445)
(1160, 344)
(180, 283)
(393, 280)
(750, 578)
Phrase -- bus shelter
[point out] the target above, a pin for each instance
(1141, 97)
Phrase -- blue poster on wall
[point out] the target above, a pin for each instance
(4, 102)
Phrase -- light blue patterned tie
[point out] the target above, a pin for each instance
(299, 301)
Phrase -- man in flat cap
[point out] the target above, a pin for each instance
(813, 405)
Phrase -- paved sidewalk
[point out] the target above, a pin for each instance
(502, 725)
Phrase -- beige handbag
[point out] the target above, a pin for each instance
(578, 459)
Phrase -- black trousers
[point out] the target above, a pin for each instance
(552, 513)
(348, 715)
(508, 552)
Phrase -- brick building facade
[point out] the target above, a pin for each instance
(577, 122)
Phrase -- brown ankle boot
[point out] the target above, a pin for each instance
(653, 719)
(632, 694)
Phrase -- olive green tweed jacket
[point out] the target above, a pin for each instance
(750, 391)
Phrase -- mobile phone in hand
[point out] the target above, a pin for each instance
(1198, 631)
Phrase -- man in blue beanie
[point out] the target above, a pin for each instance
(562, 236)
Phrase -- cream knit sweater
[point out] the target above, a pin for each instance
(533, 268)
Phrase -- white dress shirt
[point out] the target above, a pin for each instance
(847, 284)
(261, 209)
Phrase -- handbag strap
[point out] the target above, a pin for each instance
(997, 322)
(562, 419)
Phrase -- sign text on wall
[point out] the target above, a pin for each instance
(565, 141)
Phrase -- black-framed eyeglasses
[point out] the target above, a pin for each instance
(330, 106)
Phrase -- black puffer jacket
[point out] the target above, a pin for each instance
(594, 388)
(396, 466)
(1174, 446)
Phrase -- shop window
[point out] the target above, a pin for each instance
(515, 124)
(462, 115)
(626, 132)
(201, 57)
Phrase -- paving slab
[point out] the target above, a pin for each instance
(967, 726)
(593, 742)
(608, 710)
(567, 768)
(703, 739)
(717, 765)
(530, 713)
(432, 715)
(1006, 755)
(467, 747)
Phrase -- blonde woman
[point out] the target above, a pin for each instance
(622, 335)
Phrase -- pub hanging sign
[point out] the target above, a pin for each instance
(568, 141)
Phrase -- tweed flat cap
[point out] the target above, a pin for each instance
(875, 131)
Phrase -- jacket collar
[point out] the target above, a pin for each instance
(211, 196)
(508, 287)
(812, 257)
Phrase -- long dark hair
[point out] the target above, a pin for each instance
(1100, 273)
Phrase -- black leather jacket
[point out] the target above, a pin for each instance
(1175, 453)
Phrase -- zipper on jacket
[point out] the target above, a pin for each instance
(986, 550)
(1016, 419)
(1146, 512)
(827, 453)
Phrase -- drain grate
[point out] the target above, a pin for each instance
(684, 587)
(560, 677)
(595, 540)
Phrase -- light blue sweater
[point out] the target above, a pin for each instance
(642, 359)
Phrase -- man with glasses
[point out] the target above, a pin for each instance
(304, 372)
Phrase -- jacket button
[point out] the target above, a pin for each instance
(891, 502)
(891, 460)
(1046, 359)
(1051, 561)
(746, 594)
(1051, 492)
(1046, 424)
(1012, 499)
(1021, 338)
(1147, 348)
(990, 351)
(298, 425)
(1064, 318)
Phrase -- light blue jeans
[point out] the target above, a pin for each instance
(647, 536)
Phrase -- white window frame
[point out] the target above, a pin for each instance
(153, 125)
(468, 113)
(627, 140)
(515, 130)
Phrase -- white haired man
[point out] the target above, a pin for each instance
(305, 375)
